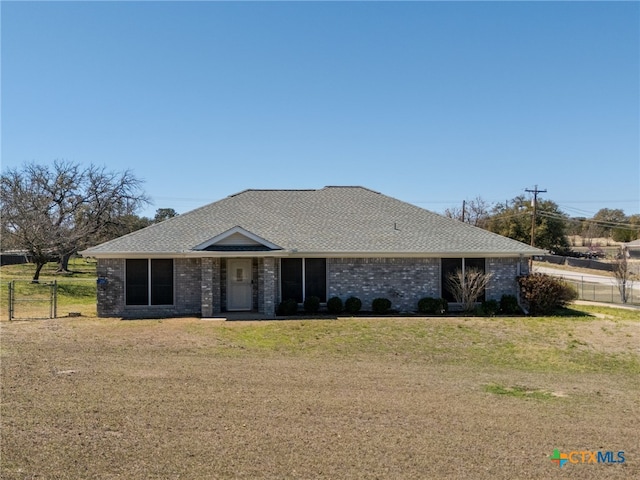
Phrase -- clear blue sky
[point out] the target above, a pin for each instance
(432, 103)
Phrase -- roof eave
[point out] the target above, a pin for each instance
(298, 253)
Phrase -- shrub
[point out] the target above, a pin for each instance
(353, 305)
(288, 307)
(543, 294)
(444, 306)
(432, 306)
(509, 305)
(490, 308)
(334, 305)
(467, 286)
(311, 304)
(381, 305)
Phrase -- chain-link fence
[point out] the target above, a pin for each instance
(602, 292)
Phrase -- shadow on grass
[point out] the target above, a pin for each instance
(570, 312)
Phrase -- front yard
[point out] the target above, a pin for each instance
(352, 398)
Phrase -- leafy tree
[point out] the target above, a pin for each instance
(164, 214)
(627, 231)
(52, 211)
(513, 220)
(606, 219)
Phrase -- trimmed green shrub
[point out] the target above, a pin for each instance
(353, 305)
(311, 304)
(509, 305)
(381, 305)
(444, 306)
(433, 306)
(490, 308)
(288, 307)
(334, 305)
(543, 294)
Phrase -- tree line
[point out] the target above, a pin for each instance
(53, 211)
(552, 226)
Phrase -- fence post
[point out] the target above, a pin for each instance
(611, 293)
(10, 301)
(54, 299)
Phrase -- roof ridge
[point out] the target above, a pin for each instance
(273, 190)
(351, 186)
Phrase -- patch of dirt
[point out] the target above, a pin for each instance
(609, 336)
(165, 400)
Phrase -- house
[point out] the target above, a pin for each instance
(252, 250)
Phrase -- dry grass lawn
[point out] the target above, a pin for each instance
(409, 398)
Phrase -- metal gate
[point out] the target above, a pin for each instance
(32, 300)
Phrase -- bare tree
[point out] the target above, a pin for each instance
(622, 274)
(476, 212)
(467, 287)
(52, 211)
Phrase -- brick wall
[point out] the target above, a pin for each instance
(267, 283)
(200, 284)
(188, 286)
(404, 281)
(187, 291)
(206, 286)
(504, 273)
(111, 292)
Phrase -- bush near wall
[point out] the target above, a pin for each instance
(312, 304)
(353, 305)
(288, 307)
(544, 294)
(381, 306)
(432, 306)
(335, 305)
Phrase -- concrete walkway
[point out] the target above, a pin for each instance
(611, 305)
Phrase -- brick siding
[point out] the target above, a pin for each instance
(200, 284)
(404, 281)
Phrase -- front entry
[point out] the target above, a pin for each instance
(239, 292)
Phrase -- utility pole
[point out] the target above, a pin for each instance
(535, 192)
(463, 205)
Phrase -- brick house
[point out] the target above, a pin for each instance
(251, 250)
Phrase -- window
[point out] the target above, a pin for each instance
(451, 265)
(149, 282)
(315, 278)
(303, 277)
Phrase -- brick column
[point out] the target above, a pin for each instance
(207, 287)
(267, 287)
(216, 302)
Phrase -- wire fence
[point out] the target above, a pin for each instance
(22, 299)
(602, 292)
(30, 300)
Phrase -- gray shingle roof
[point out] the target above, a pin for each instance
(339, 220)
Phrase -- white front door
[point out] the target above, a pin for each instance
(239, 294)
